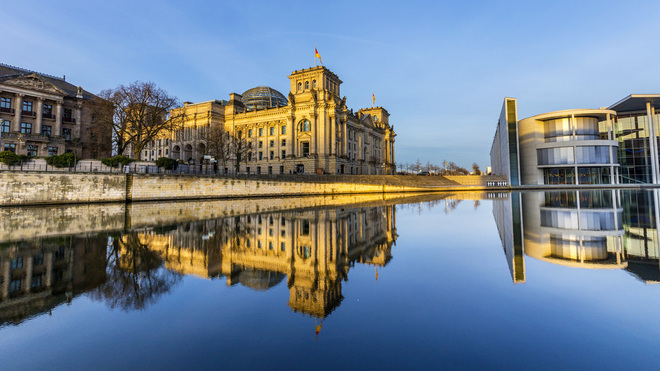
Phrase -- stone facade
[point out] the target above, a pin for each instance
(313, 132)
(43, 115)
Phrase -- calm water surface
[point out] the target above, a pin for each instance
(505, 280)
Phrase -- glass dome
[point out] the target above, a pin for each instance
(263, 97)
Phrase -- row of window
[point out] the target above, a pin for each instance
(26, 128)
(32, 149)
(260, 155)
(5, 106)
(248, 243)
(331, 86)
(271, 144)
(261, 131)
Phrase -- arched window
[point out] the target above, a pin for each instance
(314, 83)
(305, 125)
(306, 85)
(299, 86)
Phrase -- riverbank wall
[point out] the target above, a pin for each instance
(20, 188)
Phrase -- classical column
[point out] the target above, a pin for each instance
(48, 259)
(28, 273)
(6, 278)
(18, 110)
(77, 114)
(313, 150)
(290, 145)
(344, 138)
(57, 130)
(392, 143)
(40, 110)
(332, 137)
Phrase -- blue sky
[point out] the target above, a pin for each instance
(441, 69)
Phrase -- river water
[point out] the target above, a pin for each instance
(543, 280)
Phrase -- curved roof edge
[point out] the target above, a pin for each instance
(580, 112)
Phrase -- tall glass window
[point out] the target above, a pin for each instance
(6, 126)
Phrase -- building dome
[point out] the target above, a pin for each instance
(263, 97)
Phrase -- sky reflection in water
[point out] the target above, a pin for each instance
(405, 282)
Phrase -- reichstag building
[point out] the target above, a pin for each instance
(311, 131)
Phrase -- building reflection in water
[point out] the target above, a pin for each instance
(311, 250)
(595, 229)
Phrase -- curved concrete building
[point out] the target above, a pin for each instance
(567, 147)
(580, 146)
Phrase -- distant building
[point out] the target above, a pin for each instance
(311, 131)
(43, 115)
(618, 144)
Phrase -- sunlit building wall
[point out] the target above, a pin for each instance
(310, 131)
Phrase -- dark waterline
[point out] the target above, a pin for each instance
(504, 280)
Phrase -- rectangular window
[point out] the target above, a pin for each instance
(32, 150)
(15, 285)
(283, 129)
(52, 151)
(26, 128)
(272, 155)
(10, 147)
(261, 144)
(283, 155)
(27, 106)
(305, 149)
(250, 133)
(272, 143)
(283, 142)
(37, 260)
(5, 104)
(270, 245)
(261, 155)
(283, 246)
(66, 134)
(48, 110)
(46, 130)
(261, 132)
(36, 281)
(6, 126)
(17, 262)
(67, 113)
(249, 159)
(272, 130)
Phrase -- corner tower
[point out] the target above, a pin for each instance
(318, 79)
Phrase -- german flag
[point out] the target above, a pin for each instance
(317, 55)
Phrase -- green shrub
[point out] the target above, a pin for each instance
(63, 160)
(167, 163)
(10, 158)
(117, 160)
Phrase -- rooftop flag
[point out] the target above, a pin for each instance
(373, 99)
(317, 55)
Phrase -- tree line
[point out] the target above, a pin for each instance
(446, 168)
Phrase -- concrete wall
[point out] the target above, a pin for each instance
(45, 188)
(24, 223)
(20, 188)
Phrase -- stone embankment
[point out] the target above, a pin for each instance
(20, 188)
(27, 222)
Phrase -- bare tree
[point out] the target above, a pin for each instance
(136, 113)
(417, 166)
(239, 150)
(218, 143)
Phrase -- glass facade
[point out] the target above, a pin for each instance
(632, 132)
